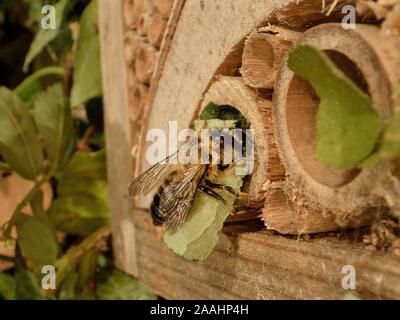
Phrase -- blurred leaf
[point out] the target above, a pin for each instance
(54, 121)
(34, 9)
(31, 86)
(36, 241)
(67, 290)
(18, 136)
(38, 211)
(88, 164)
(87, 268)
(87, 69)
(27, 286)
(348, 126)
(389, 145)
(121, 286)
(199, 234)
(82, 205)
(7, 286)
(44, 37)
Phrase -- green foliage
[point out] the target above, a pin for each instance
(348, 125)
(54, 121)
(44, 37)
(67, 290)
(18, 136)
(87, 72)
(198, 235)
(32, 86)
(389, 144)
(82, 207)
(37, 141)
(121, 286)
(27, 286)
(36, 241)
(7, 286)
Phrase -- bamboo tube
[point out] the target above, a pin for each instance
(145, 63)
(280, 214)
(130, 14)
(371, 10)
(301, 14)
(133, 9)
(257, 111)
(132, 43)
(263, 54)
(368, 58)
(156, 29)
(163, 6)
(391, 25)
(144, 24)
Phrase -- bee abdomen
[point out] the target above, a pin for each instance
(156, 214)
(159, 216)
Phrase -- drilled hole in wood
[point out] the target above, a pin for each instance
(302, 106)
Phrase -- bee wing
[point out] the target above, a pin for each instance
(177, 197)
(149, 179)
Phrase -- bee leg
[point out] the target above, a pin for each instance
(218, 186)
(210, 192)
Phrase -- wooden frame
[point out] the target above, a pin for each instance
(249, 261)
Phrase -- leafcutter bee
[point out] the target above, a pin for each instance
(175, 196)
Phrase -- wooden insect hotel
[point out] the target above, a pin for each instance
(165, 60)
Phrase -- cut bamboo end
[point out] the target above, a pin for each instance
(263, 53)
(144, 23)
(130, 14)
(391, 24)
(327, 190)
(132, 43)
(262, 56)
(157, 29)
(163, 6)
(133, 9)
(138, 96)
(281, 215)
(234, 92)
(145, 62)
(302, 14)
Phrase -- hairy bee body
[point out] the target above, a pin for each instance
(179, 184)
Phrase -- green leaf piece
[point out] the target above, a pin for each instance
(87, 69)
(54, 121)
(44, 37)
(27, 286)
(347, 124)
(67, 290)
(18, 136)
(198, 235)
(82, 205)
(29, 89)
(389, 145)
(121, 286)
(215, 124)
(7, 286)
(37, 242)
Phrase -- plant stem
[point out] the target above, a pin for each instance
(70, 259)
(28, 198)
